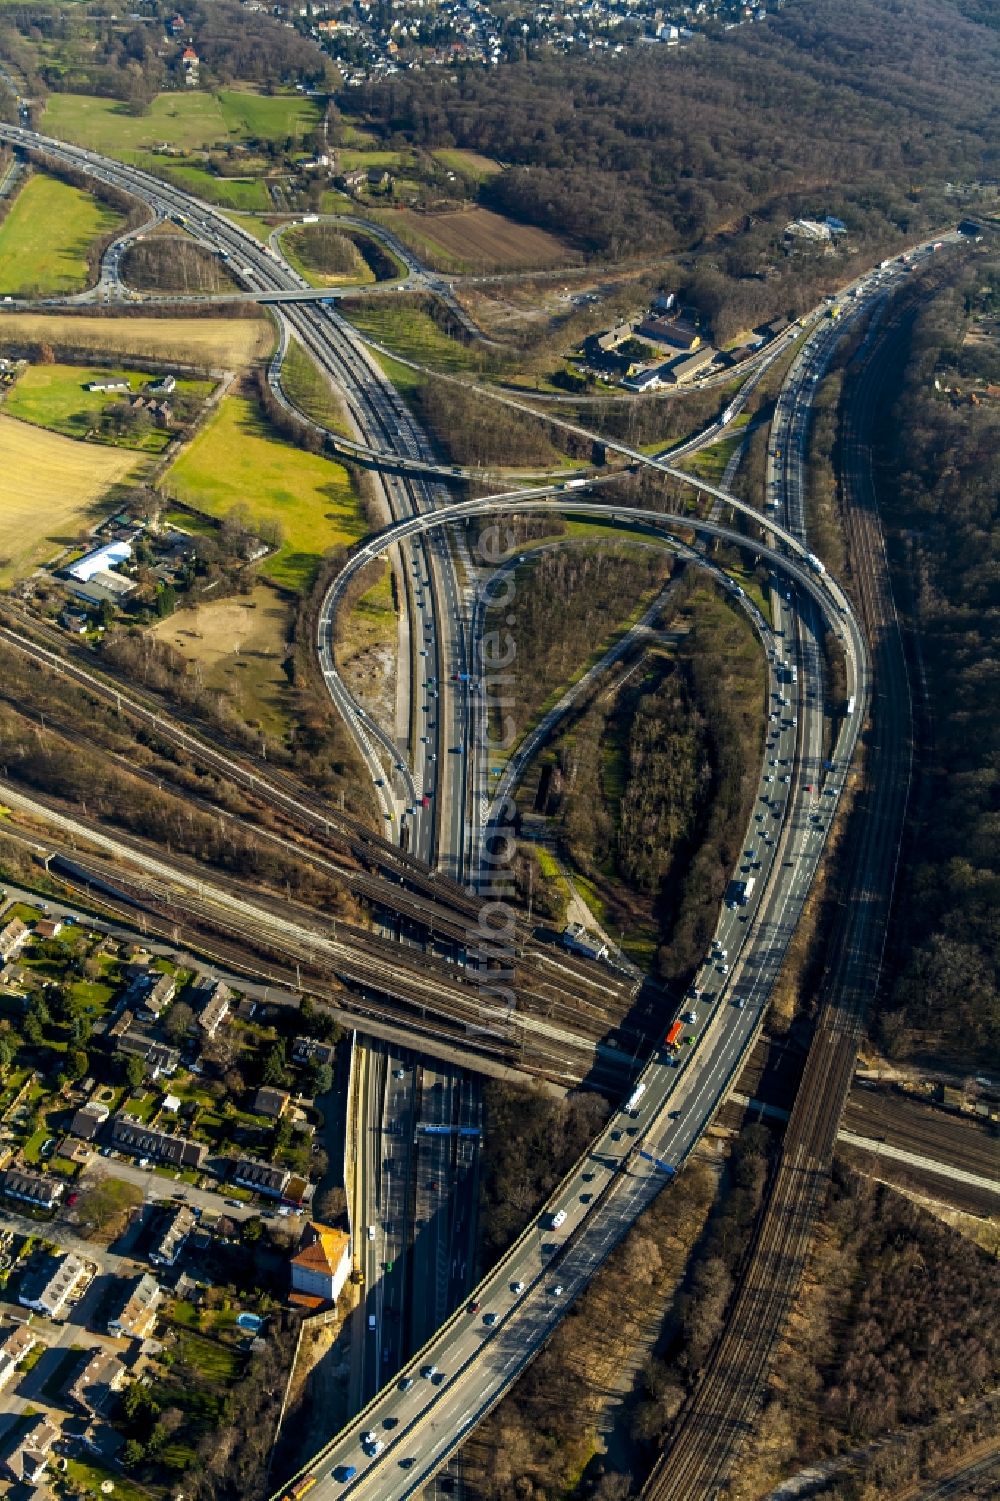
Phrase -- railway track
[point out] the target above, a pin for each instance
(554, 1028)
(722, 1411)
(370, 867)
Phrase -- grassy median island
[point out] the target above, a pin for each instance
(239, 460)
(308, 388)
(45, 238)
(325, 256)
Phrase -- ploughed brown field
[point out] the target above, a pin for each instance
(476, 239)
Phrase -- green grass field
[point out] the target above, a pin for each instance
(237, 459)
(53, 396)
(468, 163)
(310, 391)
(189, 121)
(45, 238)
(233, 193)
(411, 333)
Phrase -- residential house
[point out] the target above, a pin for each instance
(271, 1102)
(149, 995)
(322, 1263)
(263, 1177)
(88, 1120)
(311, 1050)
(15, 976)
(17, 1346)
(165, 386)
(173, 1237)
(189, 62)
(26, 1459)
(158, 1057)
(48, 927)
(141, 1140)
(808, 229)
(134, 1313)
(121, 1025)
(101, 1375)
(13, 936)
(37, 1189)
(74, 621)
(298, 1190)
(74, 1150)
(48, 1287)
(215, 1008)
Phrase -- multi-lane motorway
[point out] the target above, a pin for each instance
(411, 1427)
(470, 1362)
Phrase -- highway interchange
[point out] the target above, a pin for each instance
(419, 1419)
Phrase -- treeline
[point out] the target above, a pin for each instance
(542, 1440)
(890, 1332)
(653, 786)
(567, 601)
(531, 1140)
(698, 1316)
(239, 45)
(656, 152)
(631, 785)
(231, 1459)
(72, 771)
(172, 263)
(942, 505)
(481, 434)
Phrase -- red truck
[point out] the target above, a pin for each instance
(673, 1037)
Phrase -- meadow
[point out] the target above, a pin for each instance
(54, 397)
(45, 238)
(189, 121)
(411, 332)
(238, 460)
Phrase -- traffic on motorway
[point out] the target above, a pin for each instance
(405, 1433)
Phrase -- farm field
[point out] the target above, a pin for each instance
(46, 235)
(53, 396)
(189, 121)
(477, 240)
(58, 490)
(237, 460)
(240, 645)
(230, 342)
